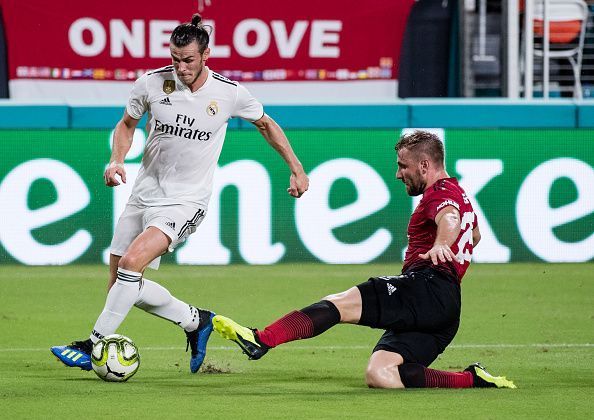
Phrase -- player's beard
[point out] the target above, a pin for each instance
(199, 72)
(415, 185)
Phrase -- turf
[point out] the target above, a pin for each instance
(531, 322)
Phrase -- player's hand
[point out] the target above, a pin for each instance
(439, 253)
(110, 174)
(298, 184)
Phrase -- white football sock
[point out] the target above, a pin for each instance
(157, 300)
(120, 299)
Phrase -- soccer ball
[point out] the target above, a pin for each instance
(115, 358)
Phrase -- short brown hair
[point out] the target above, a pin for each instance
(423, 142)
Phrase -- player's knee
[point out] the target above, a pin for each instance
(382, 370)
(372, 378)
(382, 377)
(130, 262)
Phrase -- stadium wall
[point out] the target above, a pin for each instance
(528, 168)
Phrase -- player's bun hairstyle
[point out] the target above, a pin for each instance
(423, 142)
(189, 32)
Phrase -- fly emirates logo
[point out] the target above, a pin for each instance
(183, 127)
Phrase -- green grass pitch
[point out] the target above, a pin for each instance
(533, 323)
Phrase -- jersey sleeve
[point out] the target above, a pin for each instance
(441, 199)
(138, 100)
(246, 106)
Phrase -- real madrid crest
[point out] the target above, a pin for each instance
(168, 86)
(212, 109)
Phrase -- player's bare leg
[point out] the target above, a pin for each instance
(147, 246)
(382, 370)
(349, 305)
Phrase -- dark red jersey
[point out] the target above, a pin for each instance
(422, 229)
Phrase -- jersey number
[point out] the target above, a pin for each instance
(466, 238)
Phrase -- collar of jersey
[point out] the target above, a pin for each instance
(430, 188)
(184, 88)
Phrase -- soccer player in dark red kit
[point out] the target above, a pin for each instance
(419, 309)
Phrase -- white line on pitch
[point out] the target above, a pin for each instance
(293, 347)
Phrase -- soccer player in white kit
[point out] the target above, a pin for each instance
(188, 108)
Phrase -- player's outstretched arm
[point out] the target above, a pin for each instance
(448, 228)
(122, 141)
(275, 136)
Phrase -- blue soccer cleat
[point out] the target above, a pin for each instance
(77, 354)
(198, 339)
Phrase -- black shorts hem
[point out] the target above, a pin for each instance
(405, 353)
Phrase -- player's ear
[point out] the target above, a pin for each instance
(424, 165)
(206, 54)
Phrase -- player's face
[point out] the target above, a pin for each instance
(188, 62)
(410, 172)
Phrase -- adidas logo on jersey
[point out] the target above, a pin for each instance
(165, 101)
(170, 224)
(391, 289)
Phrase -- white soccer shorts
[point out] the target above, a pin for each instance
(176, 221)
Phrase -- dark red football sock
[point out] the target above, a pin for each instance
(414, 375)
(297, 325)
(443, 379)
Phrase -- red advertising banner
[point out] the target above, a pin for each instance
(266, 40)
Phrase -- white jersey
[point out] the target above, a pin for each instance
(186, 134)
